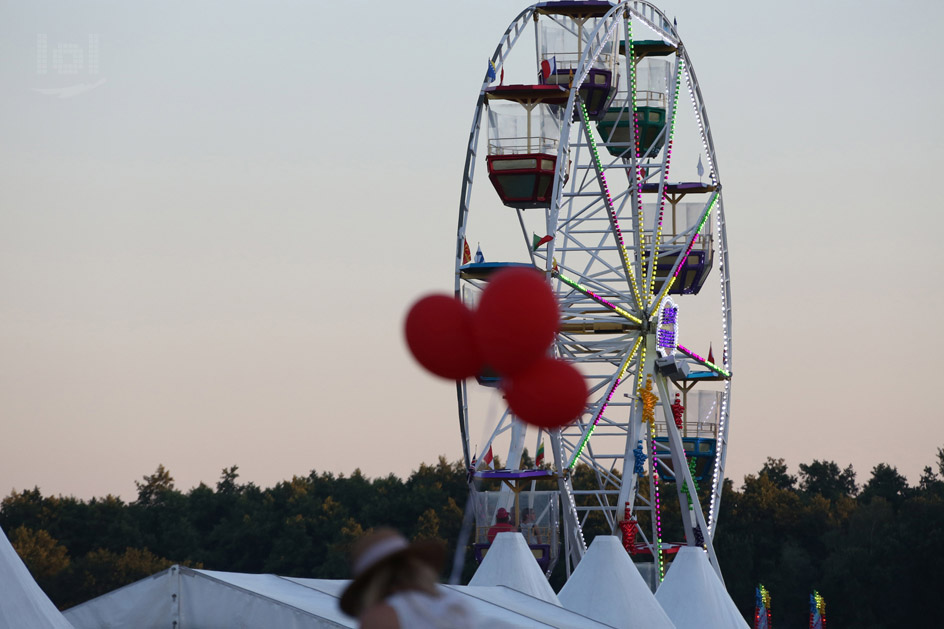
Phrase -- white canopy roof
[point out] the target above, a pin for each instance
(22, 602)
(205, 598)
(693, 595)
(606, 586)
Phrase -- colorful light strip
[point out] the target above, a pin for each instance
(600, 300)
(817, 611)
(608, 202)
(762, 616)
(609, 395)
(665, 176)
(683, 258)
(715, 368)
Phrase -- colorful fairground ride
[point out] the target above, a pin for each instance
(602, 174)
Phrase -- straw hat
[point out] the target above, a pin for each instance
(375, 550)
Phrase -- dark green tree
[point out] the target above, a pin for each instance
(824, 478)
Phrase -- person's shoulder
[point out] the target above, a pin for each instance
(380, 616)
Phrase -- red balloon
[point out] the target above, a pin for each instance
(439, 333)
(549, 394)
(516, 320)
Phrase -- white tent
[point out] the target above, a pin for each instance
(607, 587)
(509, 562)
(693, 596)
(22, 602)
(204, 599)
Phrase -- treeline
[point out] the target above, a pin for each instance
(872, 551)
(78, 550)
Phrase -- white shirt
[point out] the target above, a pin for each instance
(420, 610)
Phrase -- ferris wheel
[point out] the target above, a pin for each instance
(601, 174)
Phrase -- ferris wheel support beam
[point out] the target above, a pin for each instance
(684, 475)
(630, 480)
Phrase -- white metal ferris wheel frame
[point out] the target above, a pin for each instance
(629, 357)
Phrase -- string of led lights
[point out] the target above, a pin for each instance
(704, 361)
(762, 608)
(600, 300)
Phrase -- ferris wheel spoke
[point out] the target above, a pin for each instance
(653, 258)
(704, 362)
(600, 300)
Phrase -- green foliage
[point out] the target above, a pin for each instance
(45, 557)
(776, 471)
(155, 487)
(825, 479)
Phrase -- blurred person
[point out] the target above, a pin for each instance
(395, 586)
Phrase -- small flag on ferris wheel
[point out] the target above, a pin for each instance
(701, 169)
(536, 241)
(488, 456)
(492, 73)
(466, 252)
(479, 258)
(539, 456)
(548, 67)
